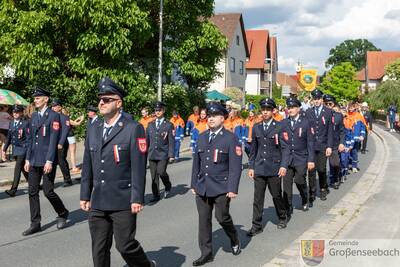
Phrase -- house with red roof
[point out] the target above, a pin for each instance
(262, 65)
(374, 72)
(232, 66)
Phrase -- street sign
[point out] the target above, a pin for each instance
(286, 90)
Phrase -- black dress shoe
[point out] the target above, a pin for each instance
(62, 221)
(311, 204)
(167, 194)
(11, 192)
(236, 249)
(336, 186)
(282, 224)
(155, 199)
(323, 195)
(203, 260)
(32, 230)
(67, 183)
(153, 263)
(305, 207)
(254, 231)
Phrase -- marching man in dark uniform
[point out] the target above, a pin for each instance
(368, 119)
(18, 138)
(217, 166)
(92, 116)
(161, 142)
(113, 180)
(265, 166)
(41, 160)
(62, 147)
(320, 118)
(297, 136)
(338, 140)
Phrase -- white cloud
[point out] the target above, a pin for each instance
(307, 30)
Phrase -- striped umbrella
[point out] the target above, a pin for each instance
(10, 98)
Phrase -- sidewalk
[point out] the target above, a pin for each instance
(7, 168)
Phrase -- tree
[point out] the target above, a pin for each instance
(392, 70)
(341, 83)
(235, 94)
(69, 45)
(387, 93)
(353, 51)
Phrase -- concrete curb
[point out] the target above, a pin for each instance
(59, 178)
(343, 212)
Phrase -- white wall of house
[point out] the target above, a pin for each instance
(372, 85)
(233, 66)
(253, 82)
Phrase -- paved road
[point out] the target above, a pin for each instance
(167, 230)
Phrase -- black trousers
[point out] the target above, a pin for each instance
(158, 169)
(364, 142)
(275, 188)
(19, 167)
(35, 176)
(122, 224)
(320, 167)
(298, 175)
(63, 163)
(205, 207)
(334, 163)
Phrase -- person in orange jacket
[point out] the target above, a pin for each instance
(199, 127)
(248, 129)
(178, 132)
(276, 115)
(235, 124)
(191, 121)
(146, 117)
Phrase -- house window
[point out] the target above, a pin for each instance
(232, 64)
(241, 67)
(237, 40)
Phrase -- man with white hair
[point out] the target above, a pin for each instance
(368, 119)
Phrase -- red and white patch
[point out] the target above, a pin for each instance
(238, 150)
(19, 133)
(44, 131)
(312, 130)
(116, 154)
(56, 125)
(276, 139)
(285, 136)
(333, 120)
(67, 123)
(215, 158)
(323, 120)
(300, 131)
(142, 144)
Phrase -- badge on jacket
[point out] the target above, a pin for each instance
(116, 154)
(300, 131)
(276, 139)
(164, 135)
(238, 150)
(56, 125)
(142, 144)
(285, 136)
(323, 120)
(19, 133)
(215, 158)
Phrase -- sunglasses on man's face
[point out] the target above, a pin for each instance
(107, 100)
(330, 104)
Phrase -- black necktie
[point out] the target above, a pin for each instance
(107, 132)
(266, 126)
(212, 137)
(292, 123)
(158, 124)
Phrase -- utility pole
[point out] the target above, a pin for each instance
(160, 48)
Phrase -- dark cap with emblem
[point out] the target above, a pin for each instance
(215, 108)
(17, 108)
(267, 103)
(293, 102)
(107, 86)
(56, 102)
(91, 108)
(159, 105)
(317, 94)
(328, 98)
(40, 91)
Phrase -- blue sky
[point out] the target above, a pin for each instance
(308, 29)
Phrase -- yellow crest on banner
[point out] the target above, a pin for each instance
(308, 79)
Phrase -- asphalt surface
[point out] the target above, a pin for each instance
(166, 230)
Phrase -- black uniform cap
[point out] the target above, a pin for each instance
(91, 108)
(159, 105)
(56, 102)
(267, 103)
(215, 108)
(293, 102)
(107, 86)
(40, 91)
(17, 108)
(316, 93)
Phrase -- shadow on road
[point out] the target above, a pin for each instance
(166, 257)
(179, 189)
(221, 240)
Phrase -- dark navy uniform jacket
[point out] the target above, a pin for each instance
(368, 118)
(44, 136)
(297, 142)
(217, 166)
(338, 129)
(161, 141)
(114, 170)
(265, 152)
(18, 137)
(65, 128)
(322, 126)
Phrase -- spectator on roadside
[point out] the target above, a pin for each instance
(306, 103)
(5, 119)
(391, 114)
(72, 141)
